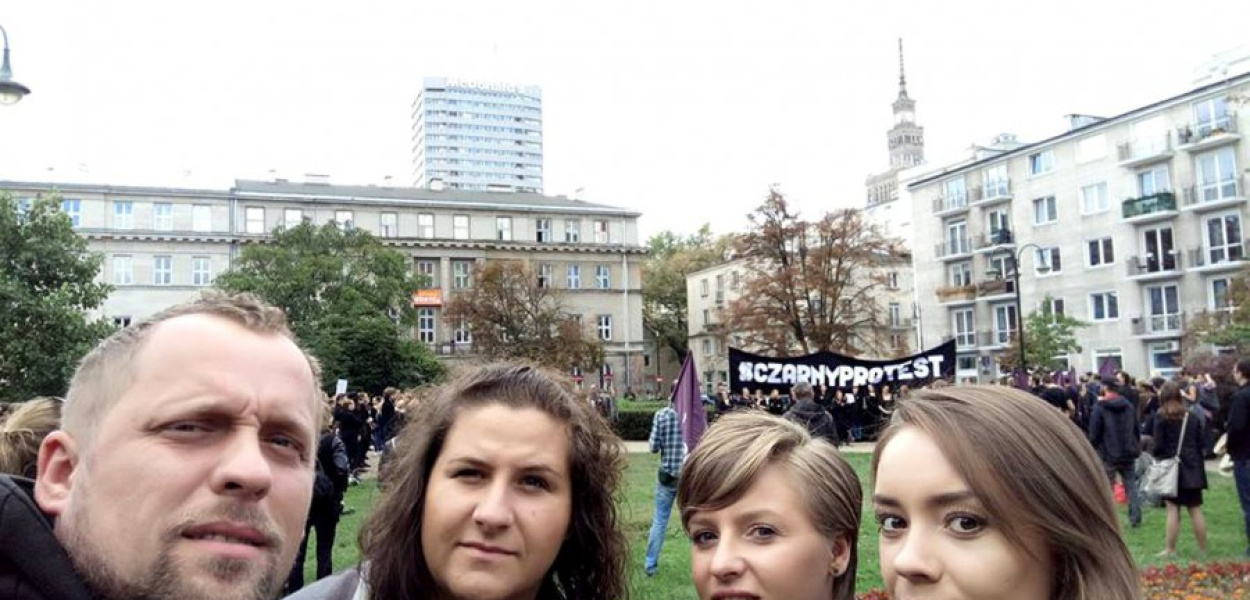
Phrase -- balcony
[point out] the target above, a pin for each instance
(1214, 196)
(1212, 319)
(995, 288)
(1137, 153)
(901, 324)
(1159, 326)
(995, 339)
(954, 248)
(956, 294)
(1148, 267)
(1148, 209)
(1213, 134)
(963, 341)
(950, 205)
(1221, 258)
(1003, 238)
(992, 193)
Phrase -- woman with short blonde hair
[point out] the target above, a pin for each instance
(804, 499)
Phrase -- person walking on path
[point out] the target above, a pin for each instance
(1177, 432)
(1238, 429)
(666, 440)
(1113, 433)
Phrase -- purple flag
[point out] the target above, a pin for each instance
(688, 403)
(1021, 379)
(1107, 368)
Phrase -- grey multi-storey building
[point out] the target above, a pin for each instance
(1134, 224)
(469, 135)
(161, 245)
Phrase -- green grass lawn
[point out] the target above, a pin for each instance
(673, 581)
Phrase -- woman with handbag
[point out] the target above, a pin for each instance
(1177, 435)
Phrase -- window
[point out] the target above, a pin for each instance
(1210, 115)
(572, 231)
(201, 218)
(707, 346)
(388, 225)
(255, 216)
(1165, 358)
(1163, 307)
(460, 227)
(720, 289)
(605, 327)
(122, 321)
(1224, 241)
(1108, 360)
(1219, 294)
(425, 226)
(72, 207)
(707, 316)
(955, 192)
(1101, 252)
(960, 274)
(574, 276)
(733, 280)
(1005, 323)
(1045, 211)
(601, 231)
(201, 270)
(425, 325)
(965, 363)
(957, 238)
(1160, 250)
(503, 229)
(896, 314)
(703, 288)
(427, 270)
(461, 274)
(343, 219)
(123, 271)
(542, 230)
(1154, 181)
(998, 221)
(1041, 163)
(965, 333)
(162, 270)
(1094, 199)
(292, 217)
(1056, 307)
(891, 280)
(461, 334)
(1217, 175)
(123, 215)
(546, 273)
(996, 183)
(163, 216)
(1104, 306)
(603, 279)
(1048, 261)
(1091, 148)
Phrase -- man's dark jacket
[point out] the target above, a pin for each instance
(817, 421)
(1239, 424)
(1113, 431)
(33, 566)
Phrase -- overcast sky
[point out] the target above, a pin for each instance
(684, 110)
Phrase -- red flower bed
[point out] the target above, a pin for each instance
(1213, 581)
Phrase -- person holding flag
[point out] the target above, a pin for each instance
(675, 430)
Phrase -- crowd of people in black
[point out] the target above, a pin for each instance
(858, 413)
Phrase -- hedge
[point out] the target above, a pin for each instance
(633, 420)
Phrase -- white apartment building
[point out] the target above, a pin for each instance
(1132, 224)
(162, 245)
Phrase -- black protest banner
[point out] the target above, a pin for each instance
(839, 371)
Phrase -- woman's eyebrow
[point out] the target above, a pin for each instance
(938, 500)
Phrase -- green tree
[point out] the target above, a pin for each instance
(511, 315)
(47, 289)
(1046, 335)
(670, 259)
(348, 298)
(1227, 327)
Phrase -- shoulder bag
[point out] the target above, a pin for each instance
(1163, 476)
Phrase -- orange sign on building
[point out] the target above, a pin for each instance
(432, 298)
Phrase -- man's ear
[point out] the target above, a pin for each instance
(58, 459)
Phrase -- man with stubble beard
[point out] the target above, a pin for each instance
(183, 468)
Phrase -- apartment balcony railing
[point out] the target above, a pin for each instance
(953, 247)
(1231, 256)
(1152, 207)
(900, 323)
(1148, 264)
(995, 287)
(996, 338)
(950, 204)
(1200, 136)
(956, 293)
(1136, 153)
(1211, 196)
(1159, 325)
(1002, 237)
(992, 191)
(963, 341)
(450, 348)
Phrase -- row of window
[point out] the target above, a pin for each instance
(478, 139)
(1223, 242)
(162, 270)
(462, 275)
(427, 327)
(436, 101)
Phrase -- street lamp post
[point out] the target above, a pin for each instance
(10, 91)
(1015, 282)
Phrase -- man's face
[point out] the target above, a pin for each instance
(197, 481)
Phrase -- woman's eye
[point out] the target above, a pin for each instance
(763, 532)
(965, 524)
(535, 482)
(702, 538)
(890, 523)
(467, 474)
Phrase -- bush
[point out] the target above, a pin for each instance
(633, 421)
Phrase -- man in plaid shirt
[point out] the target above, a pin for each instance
(665, 439)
